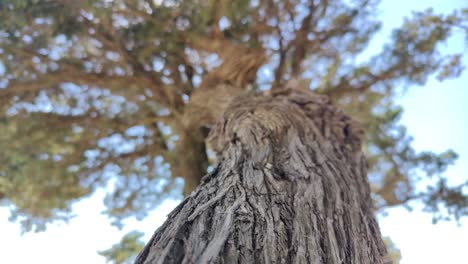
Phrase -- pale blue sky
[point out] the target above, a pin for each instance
(436, 115)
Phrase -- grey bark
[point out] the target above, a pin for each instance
(290, 187)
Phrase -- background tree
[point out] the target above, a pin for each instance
(95, 94)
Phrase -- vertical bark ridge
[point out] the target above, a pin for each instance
(290, 187)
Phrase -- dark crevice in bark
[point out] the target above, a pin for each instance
(290, 187)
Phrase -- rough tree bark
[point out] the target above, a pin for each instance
(208, 102)
(290, 187)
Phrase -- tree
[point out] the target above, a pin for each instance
(122, 94)
(291, 187)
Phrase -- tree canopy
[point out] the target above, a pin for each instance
(93, 94)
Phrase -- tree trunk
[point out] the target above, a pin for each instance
(192, 157)
(290, 187)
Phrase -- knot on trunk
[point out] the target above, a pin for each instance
(280, 118)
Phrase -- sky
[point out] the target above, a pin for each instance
(435, 115)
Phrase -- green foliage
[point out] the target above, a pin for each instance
(38, 198)
(126, 250)
(393, 251)
(91, 93)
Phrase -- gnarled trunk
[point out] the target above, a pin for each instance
(290, 187)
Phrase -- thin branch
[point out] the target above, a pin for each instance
(279, 71)
(300, 41)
